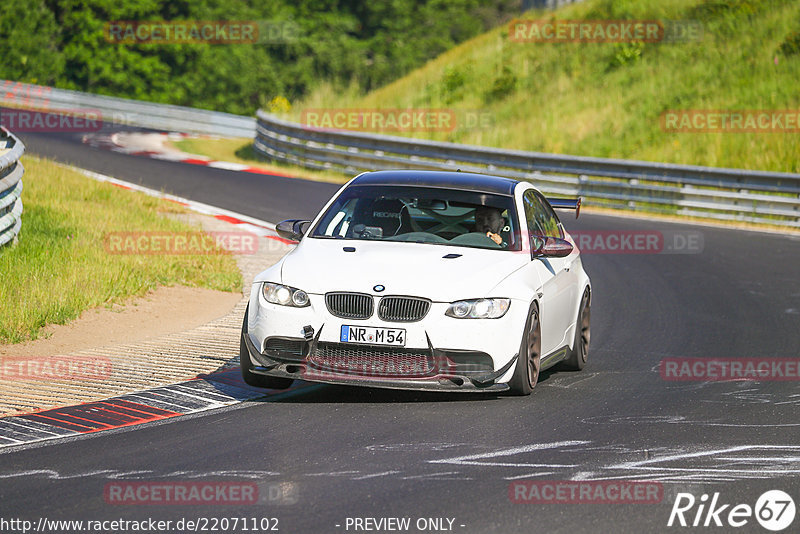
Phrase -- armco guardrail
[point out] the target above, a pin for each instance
(729, 194)
(716, 193)
(124, 111)
(11, 170)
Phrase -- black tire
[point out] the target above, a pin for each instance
(526, 371)
(253, 379)
(580, 345)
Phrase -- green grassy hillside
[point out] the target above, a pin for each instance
(606, 99)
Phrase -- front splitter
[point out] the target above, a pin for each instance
(448, 383)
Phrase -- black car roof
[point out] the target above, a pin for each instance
(465, 181)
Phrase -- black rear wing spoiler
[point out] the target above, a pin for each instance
(566, 204)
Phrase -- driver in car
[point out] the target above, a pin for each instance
(490, 221)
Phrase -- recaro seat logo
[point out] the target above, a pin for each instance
(774, 510)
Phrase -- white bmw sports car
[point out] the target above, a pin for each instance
(426, 280)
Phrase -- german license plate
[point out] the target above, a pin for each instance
(373, 336)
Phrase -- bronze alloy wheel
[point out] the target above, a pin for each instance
(526, 372)
(585, 320)
(580, 346)
(534, 351)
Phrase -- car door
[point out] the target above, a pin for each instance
(570, 275)
(556, 300)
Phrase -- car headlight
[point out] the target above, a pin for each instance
(478, 308)
(284, 295)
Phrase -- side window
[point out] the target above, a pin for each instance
(531, 214)
(550, 222)
(542, 220)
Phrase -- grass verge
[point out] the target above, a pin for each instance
(60, 266)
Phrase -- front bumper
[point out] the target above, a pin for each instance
(458, 354)
(445, 375)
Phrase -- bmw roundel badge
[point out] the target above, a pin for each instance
(379, 288)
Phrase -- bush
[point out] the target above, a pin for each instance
(503, 85)
(791, 45)
(625, 53)
(453, 83)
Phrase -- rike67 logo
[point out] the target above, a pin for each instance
(774, 510)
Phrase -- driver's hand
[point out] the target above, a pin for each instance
(495, 237)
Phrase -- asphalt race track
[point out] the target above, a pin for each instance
(324, 454)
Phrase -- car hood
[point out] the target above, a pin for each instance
(322, 265)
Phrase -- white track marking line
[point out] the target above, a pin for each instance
(639, 464)
(374, 475)
(228, 165)
(470, 459)
(531, 475)
(431, 475)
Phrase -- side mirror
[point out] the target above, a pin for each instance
(549, 247)
(292, 229)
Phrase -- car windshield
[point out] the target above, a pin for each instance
(422, 215)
